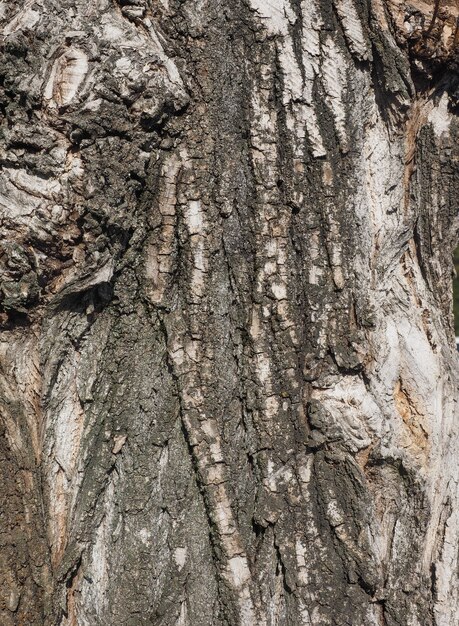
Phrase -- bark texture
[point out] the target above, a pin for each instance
(228, 378)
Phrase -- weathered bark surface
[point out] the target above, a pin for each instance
(228, 376)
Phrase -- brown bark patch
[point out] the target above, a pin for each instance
(429, 27)
(415, 436)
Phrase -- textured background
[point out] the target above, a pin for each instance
(228, 378)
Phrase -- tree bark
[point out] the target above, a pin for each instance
(228, 374)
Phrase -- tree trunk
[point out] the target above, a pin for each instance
(228, 372)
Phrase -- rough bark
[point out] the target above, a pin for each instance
(228, 375)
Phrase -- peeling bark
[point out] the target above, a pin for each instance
(228, 376)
